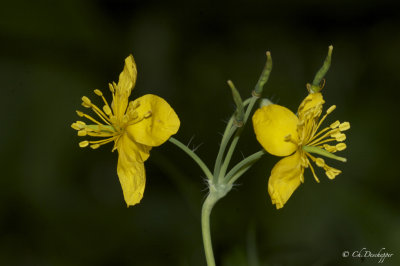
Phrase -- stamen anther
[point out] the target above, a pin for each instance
(83, 144)
(334, 132)
(330, 109)
(98, 92)
(86, 101)
(341, 146)
(340, 137)
(320, 162)
(107, 110)
(82, 133)
(81, 123)
(110, 86)
(344, 126)
(330, 148)
(335, 124)
(331, 173)
(78, 125)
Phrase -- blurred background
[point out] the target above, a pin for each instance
(63, 205)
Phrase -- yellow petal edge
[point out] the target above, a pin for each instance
(285, 178)
(159, 126)
(272, 123)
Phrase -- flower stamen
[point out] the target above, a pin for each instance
(288, 138)
(81, 114)
(330, 110)
(311, 167)
(87, 103)
(106, 107)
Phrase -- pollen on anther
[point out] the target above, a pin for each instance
(330, 109)
(83, 144)
(107, 110)
(341, 146)
(98, 92)
(86, 105)
(334, 133)
(320, 162)
(86, 100)
(330, 148)
(340, 137)
(110, 86)
(94, 146)
(79, 113)
(344, 126)
(335, 124)
(75, 126)
(82, 133)
(330, 174)
(78, 125)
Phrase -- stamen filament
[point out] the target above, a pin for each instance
(312, 169)
(319, 133)
(313, 141)
(138, 119)
(288, 138)
(105, 101)
(320, 122)
(309, 130)
(101, 114)
(103, 141)
(81, 114)
(321, 142)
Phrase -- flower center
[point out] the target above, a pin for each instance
(108, 126)
(315, 141)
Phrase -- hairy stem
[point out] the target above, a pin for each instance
(194, 156)
(205, 227)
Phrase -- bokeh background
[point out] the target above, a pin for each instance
(62, 205)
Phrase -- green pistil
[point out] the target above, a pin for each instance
(316, 150)
(100, 128)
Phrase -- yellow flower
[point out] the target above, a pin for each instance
(282, 133)
(134, 127)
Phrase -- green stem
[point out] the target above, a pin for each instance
(239, 174)
(237, 136)
(229, 130)
(194, 157)
(245, 164)
(205, 227)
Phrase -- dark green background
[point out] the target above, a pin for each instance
(62, 205)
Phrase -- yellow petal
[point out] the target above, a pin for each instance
(127, 78)
(130, 169)
(160, 124)
(126, 82)
(311, 101)
(285, 177)
(272, 123)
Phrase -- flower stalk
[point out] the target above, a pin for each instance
(220, 182)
